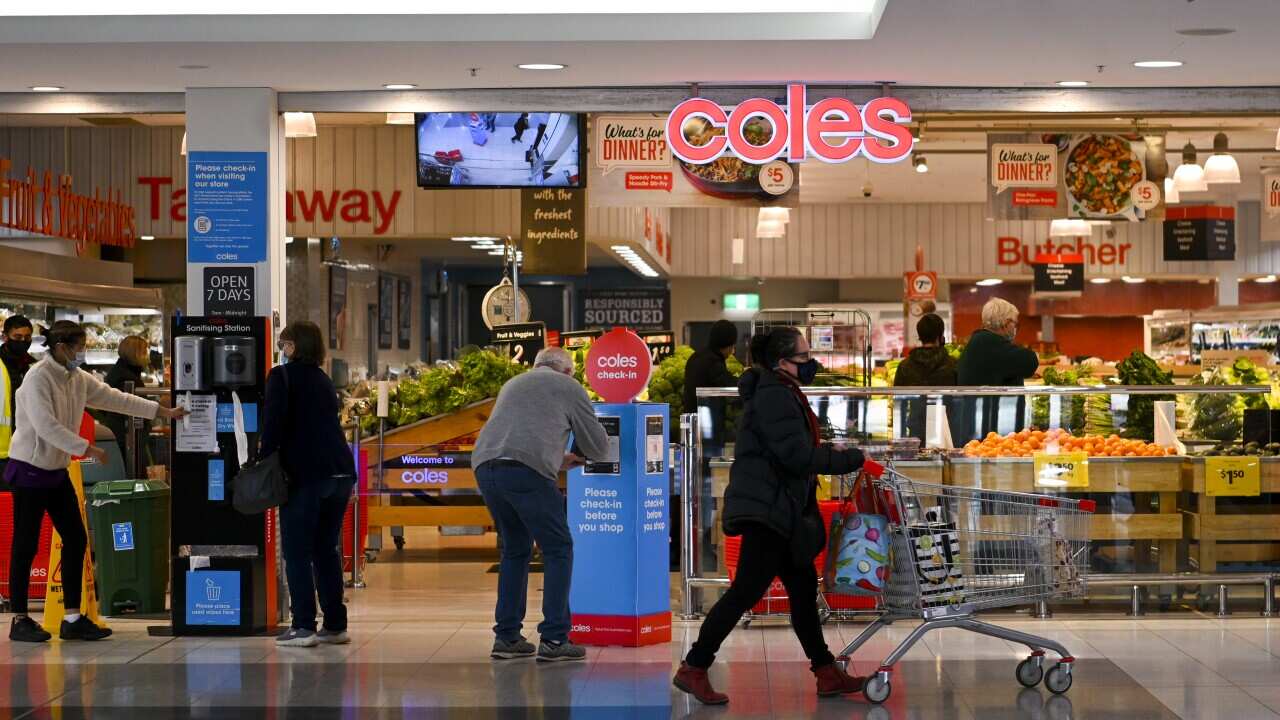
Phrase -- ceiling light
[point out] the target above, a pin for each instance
(399, 86)
(739, 251)
(989, 282)
(1266, 279)
(399, 118)
(918, 161)
(541, 66)
(474, 239)
(183, 151)
(774, 214)
(146, 238)
(1221, 168)
(1189, 177)
(771, 229)
(1073, 83)
(46, 88)
(1171, 192)
(1205, 32)
(1100, 280)
(1157, 64)
(1070, 227)
(299, 125)
(1133, 280)
(193, 67)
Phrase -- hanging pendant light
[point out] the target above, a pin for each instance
(1189, 177)
(1171, 192)
(1221, 168)
(299, 125)
(1070, 227)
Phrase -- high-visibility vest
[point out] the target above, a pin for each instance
(6, 412)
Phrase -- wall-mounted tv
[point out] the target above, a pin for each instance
(500, 150)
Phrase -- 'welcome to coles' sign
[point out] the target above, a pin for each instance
(618, 365)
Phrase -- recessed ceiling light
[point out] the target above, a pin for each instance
(1205, 32)
(541, 66)
(1156, 64)
(146, 238)
(1266, 279)
(989, 282)
(1100, 280)
(46, 88)
(399, 86)
(1133, 280)
(193, 67)
(1073, 83)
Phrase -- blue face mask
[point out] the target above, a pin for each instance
(76, 362)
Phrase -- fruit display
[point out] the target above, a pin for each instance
(1252, 449)
(1140, 369)
(1026, 443)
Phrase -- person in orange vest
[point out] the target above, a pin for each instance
(15, 360)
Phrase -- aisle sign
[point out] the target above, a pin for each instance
(1061, 470)
(226, 207)
(1229, 476)
(1200, 232)
(1058, 275)
(523, 340)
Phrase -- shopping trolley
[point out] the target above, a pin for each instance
(955, 551)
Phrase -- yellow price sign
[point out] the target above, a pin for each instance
(1062, 470)
(1232, 476)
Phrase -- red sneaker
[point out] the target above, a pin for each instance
(695, 682)
(833, 680)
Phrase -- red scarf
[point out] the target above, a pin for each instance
(809, 415)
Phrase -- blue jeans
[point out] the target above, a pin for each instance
(527, 507)
(311, 535)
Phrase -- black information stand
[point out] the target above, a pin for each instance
(219, 556)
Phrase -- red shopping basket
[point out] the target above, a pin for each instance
(39, 568)
(775, 598)
(356, 554)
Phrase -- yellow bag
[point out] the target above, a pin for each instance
(53, 607)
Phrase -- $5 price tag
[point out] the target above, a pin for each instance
(1232, 476)
(1069, 470)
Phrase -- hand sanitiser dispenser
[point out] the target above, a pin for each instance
(188, 363)
(233, 362)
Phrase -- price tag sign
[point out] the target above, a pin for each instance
(1232, 476)
(1062, 470)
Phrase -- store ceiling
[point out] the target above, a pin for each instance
(1009, 43)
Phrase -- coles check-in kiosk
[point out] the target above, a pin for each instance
(618, 507)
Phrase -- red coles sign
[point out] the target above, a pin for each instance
(618, 365)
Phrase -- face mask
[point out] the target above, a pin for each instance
(807, 371)
(284, 356)
(18, 347)
(76, 362)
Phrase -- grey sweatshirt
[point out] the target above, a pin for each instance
(532, 419)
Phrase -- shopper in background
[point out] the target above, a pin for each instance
(50, 405)
(706, 369)
(519, 453)
(929, 365)
(15, 360)
(134, 353)
(772, 503)
(992, 358)
(300, 420)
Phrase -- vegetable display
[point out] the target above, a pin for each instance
(1073, 405)
(1218, 416)
(445, 387)
(1027, 443)
(1252, 449)
(1139, 369)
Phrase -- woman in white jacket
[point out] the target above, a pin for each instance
(49, 407)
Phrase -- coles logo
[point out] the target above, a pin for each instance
(833, 130)
(618, 365)
(425, 477)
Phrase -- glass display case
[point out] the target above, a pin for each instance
(1190, 337)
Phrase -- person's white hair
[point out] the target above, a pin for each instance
(557, 359)
(997, 313)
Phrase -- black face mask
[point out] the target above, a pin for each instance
(18, 347)
(807, 371)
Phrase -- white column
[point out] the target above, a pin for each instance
(242, 120)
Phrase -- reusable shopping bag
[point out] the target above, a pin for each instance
(937, 560)
(857, 545)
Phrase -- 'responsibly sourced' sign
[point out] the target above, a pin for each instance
(1059, 275)
(226, 207)
(1200, 232)
(636, 308)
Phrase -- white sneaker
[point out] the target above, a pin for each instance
(297, 637)
(330, 637)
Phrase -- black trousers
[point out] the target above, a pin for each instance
(311, 534)
(765, 555)
(29, 507)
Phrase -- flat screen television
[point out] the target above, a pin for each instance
(500, 150)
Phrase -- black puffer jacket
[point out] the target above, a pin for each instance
(771, 482)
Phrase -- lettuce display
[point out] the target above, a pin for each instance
(1139, 369)
(1219, 416)
(445, 387)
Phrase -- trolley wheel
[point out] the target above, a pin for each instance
(371, 556)
(399, 541)
(1030, 673)
(876, 690)
(1058, 680)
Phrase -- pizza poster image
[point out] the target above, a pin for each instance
(632, 166)
(1091, 176)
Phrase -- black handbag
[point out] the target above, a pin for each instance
(262, 484)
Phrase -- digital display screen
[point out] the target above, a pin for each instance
(499, 150)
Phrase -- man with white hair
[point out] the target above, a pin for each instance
(520, 451)
(992, 358)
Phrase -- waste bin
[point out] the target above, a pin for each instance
(129, 520)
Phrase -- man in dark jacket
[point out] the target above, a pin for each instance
(706, 368)
(992, 358)
(929, 365)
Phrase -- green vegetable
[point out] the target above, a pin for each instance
(1139, 369)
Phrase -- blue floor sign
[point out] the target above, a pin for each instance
(122, 535)
(213, 597)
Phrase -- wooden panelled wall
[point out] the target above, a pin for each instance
(879, 240)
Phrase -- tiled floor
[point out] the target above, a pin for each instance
(421, 638)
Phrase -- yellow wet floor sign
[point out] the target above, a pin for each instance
(53, 607)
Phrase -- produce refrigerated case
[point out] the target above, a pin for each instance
(1183, 337)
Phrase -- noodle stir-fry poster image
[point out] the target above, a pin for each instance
(632, 165)
(1044, 176)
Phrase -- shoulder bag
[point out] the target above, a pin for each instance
(262, 484)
